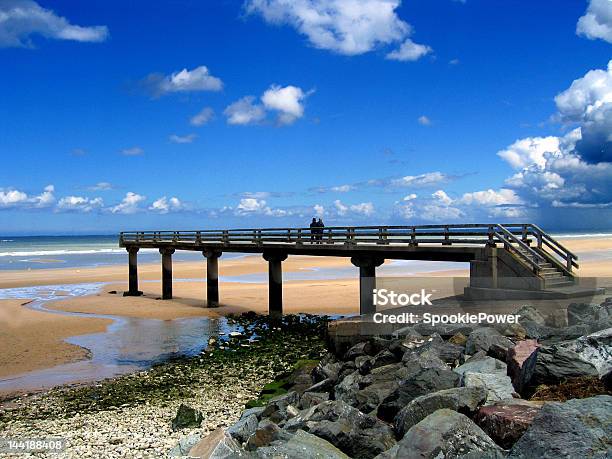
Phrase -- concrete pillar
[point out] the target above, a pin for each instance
(133, 273)
(367, 282)
(275, 282)
(166, 254)
(212, 277)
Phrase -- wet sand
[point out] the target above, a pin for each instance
(32, 340)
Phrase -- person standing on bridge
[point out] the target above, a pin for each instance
(320, 226)
(313, 230)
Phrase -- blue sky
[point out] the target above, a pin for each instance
(362, 111)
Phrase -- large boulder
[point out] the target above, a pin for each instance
(578, 313)
(482, 339)
(443, 434)
(465, 400)
(217, 445)
(302, 445)
(555, 363)
(244, 428)
(310, 399)
(357, 434)
(423, 381)
(498, 386)
(328, 368)
(576, 428)
(596, 349)
(506, 422)
(278, 410)
(482, 364)
(187, 416)
(521, 363)
(531, 314)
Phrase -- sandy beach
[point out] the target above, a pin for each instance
(35, 339)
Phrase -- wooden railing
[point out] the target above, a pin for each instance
(516, 238)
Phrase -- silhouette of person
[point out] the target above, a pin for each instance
(313, 230)
(320, 226)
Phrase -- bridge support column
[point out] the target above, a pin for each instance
(133, 273)
(212, 277)
(367, 281)
(166, 254)
(275, 283)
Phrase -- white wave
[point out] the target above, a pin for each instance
(39, 253)
(582, 236)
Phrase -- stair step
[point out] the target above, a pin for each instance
(558, 282)
(552, 275)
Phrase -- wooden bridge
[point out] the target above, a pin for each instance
(509, 260)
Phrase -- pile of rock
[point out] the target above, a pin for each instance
(441, 392)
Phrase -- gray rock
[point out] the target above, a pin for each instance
(578, 313)
(255, 410)
(244, 428)
(529, 313)
(217, 445)
(310, 399)
(326, 369)
(424, 381)
(596, 349)
(482, 365)
(302, 445)
(364, 364)
(266, 432)
(498, 386)
(443, 434)
(376, 386)
(555, 363)
(383, 358)
(357, 434)
(465, 400)
(576, 428)
(483, 338)
(444, 330)
(187, 416)
(276, 410)
(326, 385)
(184, 445)
(348, 387)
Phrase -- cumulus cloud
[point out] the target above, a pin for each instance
(79, 204)
(422, 180)
(132, 151)
(254, 206)
(130, 204)
(319, 210)
(189, 138)
(597, 21)
(198, 79)
(364, 208)
(285, 100)
(164, 205)
(20, 19)
(347, 27)
(244, 111)
(203, 117)
(424, 120)
(409, 51)
(11, 198)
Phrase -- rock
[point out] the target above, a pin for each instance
(443, 434)
(537, 331)
(458, 338)
(244, 428)
(184, 445)
(444, 330)
(266, 432)
(370, 347)
(596, 349)
(483, 338)
(346, 369)
(607, 380)
(327, 385)
(529, 313)
(576, 428)
(555, 363)
(578, 313)
(357, 350)
(257, 410)
(512, 330)
(348, 387)
(302, 445)
(504, 422)
(327, 368)
(422, 382)
(521, 363)
(383, 358)
(276, 410)
(216, 445)
(364, 364)
(310, 399)
(465, 400)
(498, 386)
(557, 319)
(187, 416)
(357, 434)
(482, 365)
(407, 333)
(376, 386)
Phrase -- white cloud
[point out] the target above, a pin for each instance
(45, 199)
(10, 198)
(343, 26)
(244, 111)
(422, 180)
(203, 117)
(319, 210)
(531, 150)
(254, 206)
(132, 151)
(409, 51)
(491, 197)
(101, 186)
(454, 62)
(364, 208)
(424, 120)
(198, 79)
(341, 209)
(19, 19)
(342, 188)
(286, 100)
(410, 197)
(189, 138)
(597, 21)
(441, 197)
(164, 205)
(79, 204)
(129, 205)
